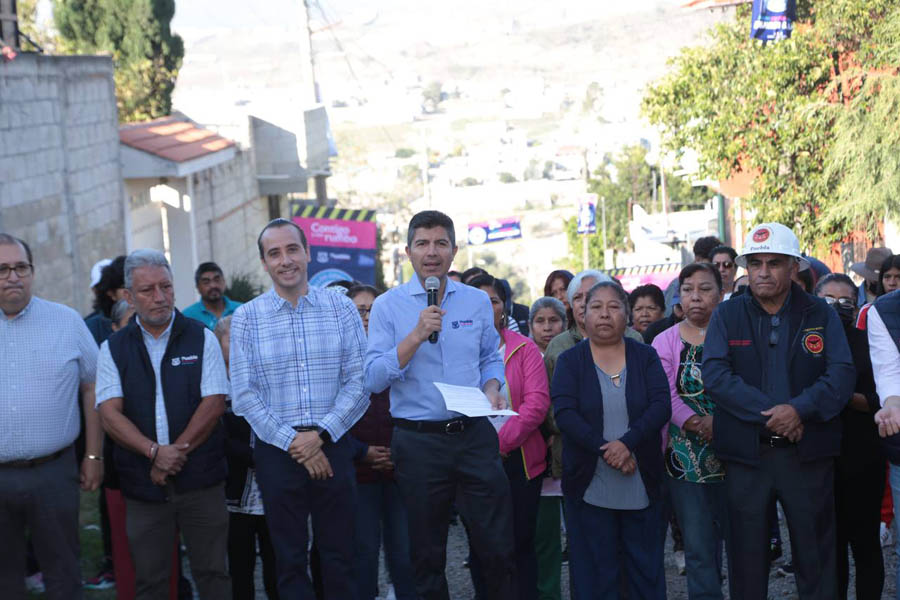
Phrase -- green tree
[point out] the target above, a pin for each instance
(805, 114)
(146, 54)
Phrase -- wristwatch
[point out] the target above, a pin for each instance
(324, 435)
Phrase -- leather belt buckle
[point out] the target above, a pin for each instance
(455, 427)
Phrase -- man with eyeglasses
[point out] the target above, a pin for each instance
(47, 355)
(777, 363)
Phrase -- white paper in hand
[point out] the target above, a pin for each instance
(469, 401)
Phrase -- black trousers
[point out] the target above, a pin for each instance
(526, 496)
(42, 500)
(857, 500)
(433, 470)
(243, 533)
(806, 493)
(290, 496)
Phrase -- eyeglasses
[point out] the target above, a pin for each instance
(773, 332)
(21, 269)
(842, 302)
(727, 264)
(363, 311)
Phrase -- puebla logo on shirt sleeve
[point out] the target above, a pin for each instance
(814, 343)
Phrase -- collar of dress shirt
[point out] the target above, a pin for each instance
(278, 302)
(415, 286)
(21, 313)
(163, 334)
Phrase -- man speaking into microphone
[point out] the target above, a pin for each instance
(429, 330)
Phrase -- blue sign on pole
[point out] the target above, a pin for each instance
(587, 217)
(773, 20)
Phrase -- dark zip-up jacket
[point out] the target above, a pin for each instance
(820, 370)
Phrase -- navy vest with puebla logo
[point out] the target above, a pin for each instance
(889, 310)
(181, 373)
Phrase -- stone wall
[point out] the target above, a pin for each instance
(229, 217)
(60, 179)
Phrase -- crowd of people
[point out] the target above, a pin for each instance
(233, 431)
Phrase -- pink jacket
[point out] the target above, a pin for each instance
(528, 392)
(668, 345)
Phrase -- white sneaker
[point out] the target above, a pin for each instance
(679, 562)
(887, 538)
(35, 583)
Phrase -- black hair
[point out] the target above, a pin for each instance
(429, 219)
(354, 291)
(704, 246)
(8, 240)
(731, 252)
(207, 267)
(891, 262)
(489, 280)
(471, 272)
(112, 278)
(696, 267)
(649, 290)
(454, 274)
(837, 278)
(280, 222)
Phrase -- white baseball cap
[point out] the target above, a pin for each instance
(97, 270)
(771, 238)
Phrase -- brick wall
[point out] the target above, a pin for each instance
(60, 182)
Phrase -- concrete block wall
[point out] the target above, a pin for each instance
(230, 214)
(60, 179)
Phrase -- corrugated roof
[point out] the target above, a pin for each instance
(173, 139)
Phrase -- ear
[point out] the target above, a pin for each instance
(407, 253)
(129, 296)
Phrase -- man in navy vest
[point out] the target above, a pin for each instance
(777, 364)
(161, 386)
(883, 324)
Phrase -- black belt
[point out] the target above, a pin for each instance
(450, 427)
(33, 462)
(775, 441)
(302, 428)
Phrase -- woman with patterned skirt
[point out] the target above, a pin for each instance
(695, 475)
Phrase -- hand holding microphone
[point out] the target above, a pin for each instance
(430, 319)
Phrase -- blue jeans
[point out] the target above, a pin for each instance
(895, 492)
(702, 511)
(380, 511)
(601, 540)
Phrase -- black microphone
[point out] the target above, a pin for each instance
(431, 287)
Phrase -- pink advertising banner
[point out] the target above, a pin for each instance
(338, 233)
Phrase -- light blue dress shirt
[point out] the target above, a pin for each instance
(298, 366)
(46, 352)
(465, 354)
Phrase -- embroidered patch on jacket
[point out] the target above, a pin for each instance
(814, 343)
(740, 342)
(185, 360)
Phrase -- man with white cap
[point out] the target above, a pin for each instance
(777, 364)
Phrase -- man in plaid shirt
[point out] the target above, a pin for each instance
(297, 377)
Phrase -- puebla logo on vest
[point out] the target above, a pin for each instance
(814, 343)
(185, 360)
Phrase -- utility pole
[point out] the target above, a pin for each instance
(311, 96)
